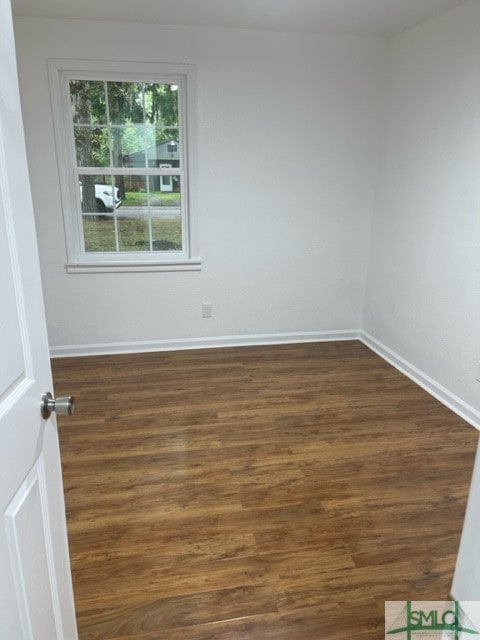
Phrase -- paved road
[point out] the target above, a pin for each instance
(156, 212)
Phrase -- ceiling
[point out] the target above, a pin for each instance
(354, 17)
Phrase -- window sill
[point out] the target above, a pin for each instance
(132, 267)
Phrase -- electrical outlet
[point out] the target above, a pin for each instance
(207, 309)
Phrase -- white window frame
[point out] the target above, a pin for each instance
(182, 75)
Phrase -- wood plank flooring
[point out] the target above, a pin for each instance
(280, 492)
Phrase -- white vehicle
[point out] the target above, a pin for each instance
(104, 197)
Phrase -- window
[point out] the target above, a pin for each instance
(125, 144)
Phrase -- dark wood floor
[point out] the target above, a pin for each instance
(279, 493)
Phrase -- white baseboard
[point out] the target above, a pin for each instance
(438, 391)
(112, 348)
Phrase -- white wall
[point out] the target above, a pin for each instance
(287, 167)
(423, 297)
(423, 294)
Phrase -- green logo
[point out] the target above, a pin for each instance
(437, 620)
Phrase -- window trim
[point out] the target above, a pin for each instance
(78, 260)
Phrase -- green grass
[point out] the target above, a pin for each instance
(133, 234)
(157, 199)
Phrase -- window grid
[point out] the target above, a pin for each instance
(125, 255)
(111, 171)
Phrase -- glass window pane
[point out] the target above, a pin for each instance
(166, 151)
(164, 194)
(133, 217)
(100, 194)
(161, 104)
(166, 234)
(166, 214)
(133, 232)
(99, 233)
(135, 197)
(129, 143)
(125, 102)
(91, 146)
(153, 192)
(87, 98)
(167, 134)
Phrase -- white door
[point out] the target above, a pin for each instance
(166, 181)
(36, 600)
(466, 582)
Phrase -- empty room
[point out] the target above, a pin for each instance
(240, 397)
